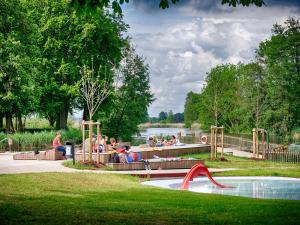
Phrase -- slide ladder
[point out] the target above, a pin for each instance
(197, 170)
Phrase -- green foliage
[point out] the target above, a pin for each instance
(27, 140)
(191, 108)
(263, 94)
(128, 107)
(92, 5)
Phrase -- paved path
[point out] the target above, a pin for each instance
(10, 166)
(238, 153)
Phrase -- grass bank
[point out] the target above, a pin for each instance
(249, 167)
(80, 198)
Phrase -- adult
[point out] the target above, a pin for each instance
(57, 144)
(113, 143)
(173, 140)
(101, 143)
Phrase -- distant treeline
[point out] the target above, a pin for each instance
(264, 93)
(167, 117)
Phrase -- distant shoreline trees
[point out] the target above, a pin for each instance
(167, 117)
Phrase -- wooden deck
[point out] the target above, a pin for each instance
(178, 164)
(148, 153)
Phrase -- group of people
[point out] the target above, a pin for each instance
(159, 142)
(99, 143)
(120, 153)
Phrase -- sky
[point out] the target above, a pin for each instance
(182, 43)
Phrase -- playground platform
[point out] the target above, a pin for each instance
(148, 153)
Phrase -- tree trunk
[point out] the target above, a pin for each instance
(51, 120)
(85, 113)
(62, 116)
(9, 124)
(20, 123)
(1, 120)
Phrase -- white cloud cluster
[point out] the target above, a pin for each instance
(180, 57)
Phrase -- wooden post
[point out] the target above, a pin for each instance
(90, 140)
(83, 139)
(222, 141)
(98, 141)
(257, 143)
(253, 141)
(200, 137)
(211, 141)
(193, 137)
(216, 142)
(263, 144)
(179, 136)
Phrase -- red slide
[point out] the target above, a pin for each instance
(197, 170)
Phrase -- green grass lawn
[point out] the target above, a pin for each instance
(84, 198)
(249, 167)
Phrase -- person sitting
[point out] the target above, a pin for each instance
(173, 140)
(100, 144)
(160, 142)
(57, 144)
(151, 142)
(113, 143)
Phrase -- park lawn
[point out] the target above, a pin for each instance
(85, 198)
(249, 167)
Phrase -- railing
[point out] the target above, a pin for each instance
(283, 156)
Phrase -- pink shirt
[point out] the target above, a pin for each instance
(55, 142)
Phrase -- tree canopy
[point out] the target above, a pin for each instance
(163, 4)
(264, 93)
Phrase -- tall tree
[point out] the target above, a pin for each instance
(132, 98)
(162, 116)
(69, 41)
(280, 56)
(217, 96)
(17, 51)
(191, 108)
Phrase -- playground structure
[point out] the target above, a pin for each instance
(90, 124)
(214, 141)
(197, 170)
(255, 145)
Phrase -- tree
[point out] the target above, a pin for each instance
(69, 41)
(170, 117)
(178, 118)
(95, 90)
(217, 96)
(129, 106)
(17, 51)
(162, 116)
(191, 108)
(280, 56)
(116, 4)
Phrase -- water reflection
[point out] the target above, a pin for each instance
(254, 188)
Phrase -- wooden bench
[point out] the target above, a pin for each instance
(50, 155)
(43, 155)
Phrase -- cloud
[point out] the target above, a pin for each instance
(185, 44)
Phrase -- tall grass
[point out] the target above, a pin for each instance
(28, 141)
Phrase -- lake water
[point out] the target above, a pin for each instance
(166, 131)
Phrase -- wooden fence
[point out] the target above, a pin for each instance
(283, 156)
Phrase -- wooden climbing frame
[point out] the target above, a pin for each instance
(214, 141)
(255, 146)
(90, 125)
